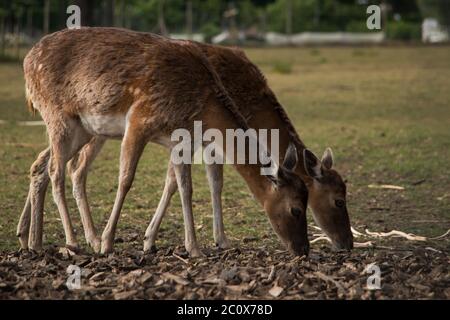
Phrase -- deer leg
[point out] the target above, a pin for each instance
(63, 149)
(184, 181)
(132, 147)
(170, 188)
(214, 172)
(39, 180)
(78, 168)
(23, 226)
(36, 195)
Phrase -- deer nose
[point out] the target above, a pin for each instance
(346, 244)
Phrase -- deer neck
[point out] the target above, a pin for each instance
(260, 185)
(268, 118)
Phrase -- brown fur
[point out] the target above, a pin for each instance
(249, 89)
(160, 85)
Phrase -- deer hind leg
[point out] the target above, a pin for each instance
(184, 181)
(214, 172)
(30, 225)
(23, 227)
(78, 169)
(65, 143)
(170, 188)
(132, 147)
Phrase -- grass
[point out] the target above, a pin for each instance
(384, 111)
(283, 67)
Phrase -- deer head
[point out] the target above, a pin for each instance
(327, 199)
(286, 205)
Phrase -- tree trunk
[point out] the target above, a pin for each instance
(30, 30)
(161, 20)
(123, 13)
(289, 17)
(87, 11)
(2, 35)
(189, 19)
(234, 33)
(317, 14)
(62, 14)
(17, 36)
(263, 21)
(109, 13)
(46, 27)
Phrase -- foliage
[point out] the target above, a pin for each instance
(307, 15)
(283, 67)
(209, 30)
(439, 9)
(404, 30)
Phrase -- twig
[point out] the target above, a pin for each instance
(385, 186)
(320, 239)
(441, 236)
(330, 279)
(367, 244)
(180, 258)
(433, 249)
(356, 233)
(271, 274)
(396, 233)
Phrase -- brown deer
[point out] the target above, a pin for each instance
(99, 83)
(247, 86)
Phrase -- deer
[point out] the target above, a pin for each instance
(247, 85)
(94, 84)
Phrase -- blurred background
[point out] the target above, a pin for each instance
(245, 22)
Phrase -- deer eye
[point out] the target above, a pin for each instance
(339, 203)
(296, 212)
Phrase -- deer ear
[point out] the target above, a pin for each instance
(327, 158)
(312, 164)
(291, 158)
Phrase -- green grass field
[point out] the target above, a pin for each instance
(384, 111)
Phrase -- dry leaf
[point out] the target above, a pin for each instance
(276, 291)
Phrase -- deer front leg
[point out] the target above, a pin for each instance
(184, 181)
(132, 147)
(214, 172)
(170, 188)
(78, 168)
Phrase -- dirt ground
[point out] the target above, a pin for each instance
(408, 271)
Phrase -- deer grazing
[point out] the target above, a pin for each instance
(94, 84)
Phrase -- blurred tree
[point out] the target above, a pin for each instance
(2, 31)
(46, 27)
(161, 21)
(189, 18)
(109, 6)
(87, 12)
